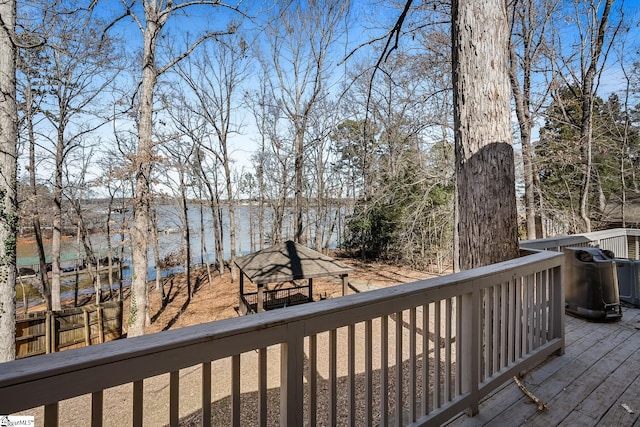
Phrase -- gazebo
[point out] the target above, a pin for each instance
(281, 263)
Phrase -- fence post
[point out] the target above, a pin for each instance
(291, 376)
(87, 327)
(100, 323)
(470, 346)
(55, 333)
(120, 318)
(48, 334)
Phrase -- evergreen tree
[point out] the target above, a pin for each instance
(559, 155)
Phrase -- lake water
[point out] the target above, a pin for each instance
(169, 239)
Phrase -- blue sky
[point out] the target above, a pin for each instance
(368, 20)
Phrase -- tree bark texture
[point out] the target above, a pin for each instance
(8, 153)
(485, 171)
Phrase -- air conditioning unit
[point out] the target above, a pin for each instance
(591, 284)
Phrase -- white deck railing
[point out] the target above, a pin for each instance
(416, 354)
(625, 243)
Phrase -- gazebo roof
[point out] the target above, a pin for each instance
(288, 261)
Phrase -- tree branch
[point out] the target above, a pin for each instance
(541, 406)
(191, 48)
(384, 55)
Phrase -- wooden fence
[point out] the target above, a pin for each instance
(52, 331)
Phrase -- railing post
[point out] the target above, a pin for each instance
(51, 415)
(470, 346)
(87, 327)
(100, 316)
(47, 333)
(557, 280)
(291, 376)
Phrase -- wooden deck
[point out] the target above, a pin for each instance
(587, 386)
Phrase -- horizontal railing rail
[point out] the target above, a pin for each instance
(623, 242)
(417, 353)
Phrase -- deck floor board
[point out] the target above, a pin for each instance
(586, 386)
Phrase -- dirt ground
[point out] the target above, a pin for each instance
(218, 299)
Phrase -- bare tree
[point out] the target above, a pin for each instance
(207, 170)
(8, 154)
(485, 171)
(193, 125)
(299, 40)
(214, 78)
(626, 134)
(321, 124)
(31, 114)
(266, 120)
(529, 23)
(151, 23)
(403, 204)
(111, 182)
(75, 72)
(592, 61)
(204, 251)
(580, 71)
(77, 190)
(272, 161)
(178, 164)
(118, 176)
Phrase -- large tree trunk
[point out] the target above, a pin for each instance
(485, 172)
(138, 311)
(8, 153)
